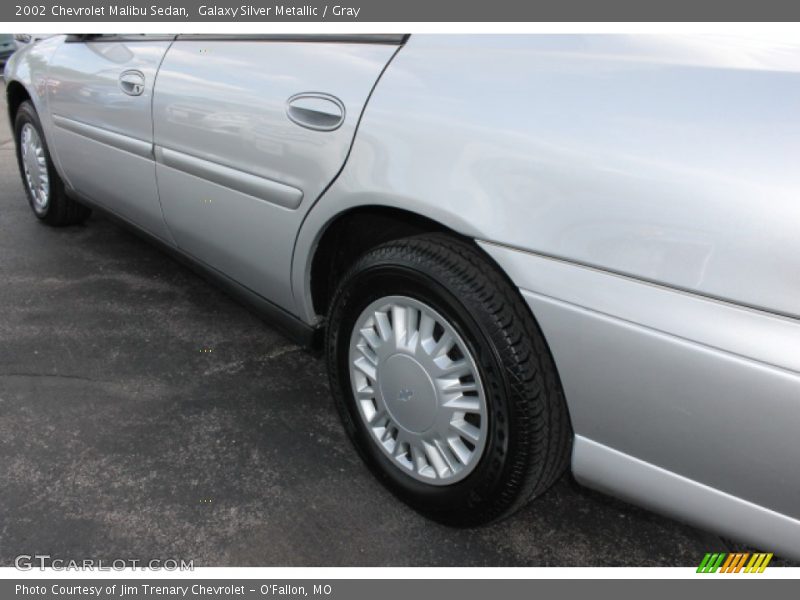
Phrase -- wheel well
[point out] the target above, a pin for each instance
(16, 94)
(352, 234)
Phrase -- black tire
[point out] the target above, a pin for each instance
(529, 435)
(60, 210)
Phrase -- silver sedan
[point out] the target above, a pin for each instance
(520, 254)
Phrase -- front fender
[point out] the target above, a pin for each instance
(29, 67)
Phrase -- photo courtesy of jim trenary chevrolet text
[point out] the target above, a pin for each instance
(399, 299)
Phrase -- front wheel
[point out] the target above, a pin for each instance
(444, 382)
(44, 188)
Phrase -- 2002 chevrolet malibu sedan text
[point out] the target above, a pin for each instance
(520, 253)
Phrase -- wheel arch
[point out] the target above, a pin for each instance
(19, 90)
(320, 257)
(16, 94)
(350, 233)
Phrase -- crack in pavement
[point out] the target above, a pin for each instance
(53, 375)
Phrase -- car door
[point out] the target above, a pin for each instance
(248, 134)
(100, 90)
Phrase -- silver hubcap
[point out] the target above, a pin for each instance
(418, 390)
(35, 166)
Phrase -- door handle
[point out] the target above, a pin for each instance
(315, 110)
(132, 82)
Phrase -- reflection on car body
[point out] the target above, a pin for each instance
(521, 253)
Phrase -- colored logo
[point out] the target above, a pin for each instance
(734, 562)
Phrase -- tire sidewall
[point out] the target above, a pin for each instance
(450, 503)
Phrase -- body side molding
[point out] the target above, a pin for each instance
(241, 181)
(106, 136)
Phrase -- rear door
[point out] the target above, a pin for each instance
(100, 93)
(248, 133)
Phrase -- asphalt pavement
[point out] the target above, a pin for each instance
(123, 437)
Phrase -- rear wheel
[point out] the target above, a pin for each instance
(444, 382)
(45, 189)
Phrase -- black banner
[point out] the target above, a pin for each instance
(395, 11)
(732, 588)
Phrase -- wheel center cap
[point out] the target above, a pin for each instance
(408, 392)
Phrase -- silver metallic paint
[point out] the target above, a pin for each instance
(118, 141)
(758, 335)
(644, 187)
(212, 104)
(28, 67)
(668, 158)
(627, 477)
(701, 411)
(640, 190)
(105, 130)
(687, 386)
(258, 187)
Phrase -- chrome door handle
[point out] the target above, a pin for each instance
(315, 110)
(132, 82)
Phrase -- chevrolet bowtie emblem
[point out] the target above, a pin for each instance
(405, 395)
